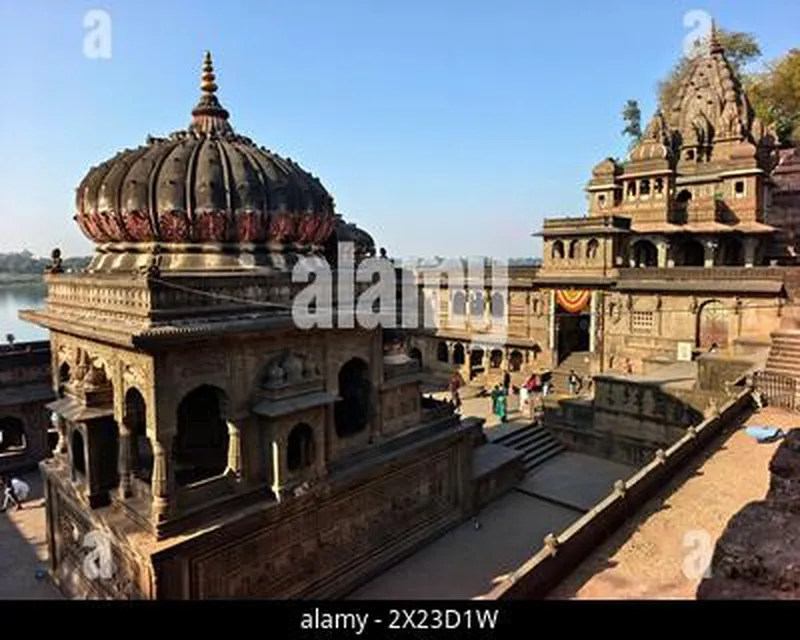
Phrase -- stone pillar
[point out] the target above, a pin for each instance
(278, 469)
(234, 451)
(552, 312)
(592, 321)
(61, 426)
(662, 247)
(162, 482)
(710, 247)
(124, 462)
(750, 245)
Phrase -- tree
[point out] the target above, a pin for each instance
(740, 49)
(632, 116)
(775, 95)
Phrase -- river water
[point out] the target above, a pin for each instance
(12, 300)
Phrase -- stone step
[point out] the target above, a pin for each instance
(536, 444)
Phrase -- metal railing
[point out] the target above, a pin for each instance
(778, 390)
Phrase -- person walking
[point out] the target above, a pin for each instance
(506, 381)
(501, 405)
(572, 382)
(14, 491)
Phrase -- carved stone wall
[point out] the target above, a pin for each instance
(401, 409)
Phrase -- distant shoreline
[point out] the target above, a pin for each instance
(20, 279)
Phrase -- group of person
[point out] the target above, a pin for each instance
(14, 492)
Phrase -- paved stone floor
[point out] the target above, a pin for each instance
(663, 551)
(23, 548)
(575, 479)
(467, 562)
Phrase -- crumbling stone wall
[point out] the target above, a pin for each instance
(758, 555)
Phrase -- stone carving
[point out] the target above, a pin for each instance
(55, 265)
(290, 368)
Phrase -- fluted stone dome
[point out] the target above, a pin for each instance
(204, 189)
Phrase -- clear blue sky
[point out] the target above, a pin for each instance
(447, 127)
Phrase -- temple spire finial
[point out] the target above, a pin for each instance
(209, 116)
(714, 43)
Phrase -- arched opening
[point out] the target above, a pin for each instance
(573, 250)
(352, 412)
(12, 434)
(515, 360)
(300, 447)
(476, 362)
(459, 357)
(537, 351)
(731, 253)
(459, 304)
(644, 187)
(141, 451)
(592, 248)
(441, 352)
(680, 208)
(63, 379)
(712, 325)
(200, 450)
(495, 358)
(477, 305)
(416, 354)
(78, 453)
(557, 252)
(498, 305)
(645, 254)
(688, 253)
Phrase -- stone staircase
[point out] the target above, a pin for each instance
(784, 353)
(579, 362)
(536, 444)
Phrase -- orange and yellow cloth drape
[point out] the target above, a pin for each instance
(573, 300)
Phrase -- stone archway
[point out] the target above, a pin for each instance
(12, 434)
(352, 412)
(713, 325)
(200, 451)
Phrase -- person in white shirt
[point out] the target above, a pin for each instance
(14, 491)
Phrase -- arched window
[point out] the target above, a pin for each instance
(515, 360)
(557, 252)
(659, 186)
(573, 249)
(352, 412)
(141, 451)
(478, 304)
(459, 304)
(300, 447)
(498, 305)
(495, 358)
(78, 453)
(12, 434)
(732, 253)
(591, 249)
(536, 350)
(200, 450)
(645, 254)
(458, 354)
(644, 187)
(441, 351)
(688, 253)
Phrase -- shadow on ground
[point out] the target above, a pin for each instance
(23, 548)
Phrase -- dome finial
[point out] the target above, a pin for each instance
(207, 84)
(209, 116)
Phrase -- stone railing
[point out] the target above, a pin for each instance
(434, 409)
(562, 553)
(702, 273)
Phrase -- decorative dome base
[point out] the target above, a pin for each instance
(194, 257)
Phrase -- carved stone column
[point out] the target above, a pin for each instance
(278, 469)
(750, 245)
(162, 480)
(234, 451)
(124, 462)
(61, 427)
(662, 249)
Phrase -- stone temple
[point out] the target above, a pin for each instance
(223, 451)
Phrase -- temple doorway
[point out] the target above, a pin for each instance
(572, 323)
(712, 326)
(573, 334)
